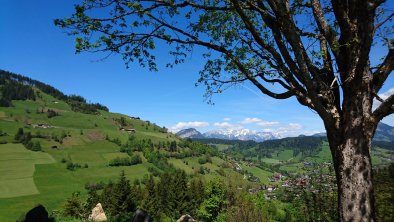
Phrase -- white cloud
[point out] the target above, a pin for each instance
(267, 123)
(383, 96)
(295, 126)
(226, 119)
(250, 120)
(184, 125)
(259, 122)
(292, 129)
(227, 125)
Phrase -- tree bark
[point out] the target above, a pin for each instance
(350, 146)
(354, 180)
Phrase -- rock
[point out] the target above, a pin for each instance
(186, 218)
(38, 213)
(142, 216)
(98, 214)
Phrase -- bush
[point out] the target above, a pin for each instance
(154, 171)
(73, 166)
(51, 113)
(120, 161)
(135, 159)
(36, 146)
(205, 159)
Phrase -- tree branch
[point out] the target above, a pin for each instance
(323, 25)
(383, 71)
(384, 21)
(385, 108)
(283, 84)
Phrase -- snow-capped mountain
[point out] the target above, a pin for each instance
(190, 133)
(242, 134)
(384, 132)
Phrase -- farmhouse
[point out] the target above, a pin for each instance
(129, 130)
(42, 125)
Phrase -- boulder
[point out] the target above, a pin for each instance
(98, 214)
(186, 218)
(142, 216)
(38, 213)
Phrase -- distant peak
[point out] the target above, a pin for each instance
(189, 133)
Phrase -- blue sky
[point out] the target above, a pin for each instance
(31, 45)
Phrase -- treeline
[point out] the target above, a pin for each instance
(181, 149)
(12, 90)
(383, 144)
(153, 152)
(18, 87)
(236, 143)
(25, 139)
(79, 104)
(306, 146)
(298, 144)
(125, 161)
(171, 196)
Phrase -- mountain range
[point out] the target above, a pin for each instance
(242, 134)
(384, 132)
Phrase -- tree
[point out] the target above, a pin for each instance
(316, 51)
(151, 200)
(215, 197)
(73, 206)
(196, 195)
(122, 193)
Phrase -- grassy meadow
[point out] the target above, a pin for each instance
(28, 178)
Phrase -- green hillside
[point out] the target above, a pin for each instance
(52, 145)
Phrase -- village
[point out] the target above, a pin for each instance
(315, 178)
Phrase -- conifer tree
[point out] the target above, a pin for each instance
(19, 135)
(181, 198)
(73, 206)
(165, 193)
(151, 202)
(108, 199)
(196, 195)
(136, 193)
(122, 193)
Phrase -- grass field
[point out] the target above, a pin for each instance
(270, 160)
(323, 156)
(285, 155)
(28, 178)
(263, 175)
(17, 166)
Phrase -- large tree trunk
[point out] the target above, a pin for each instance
(350, 145)
(354, 180)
